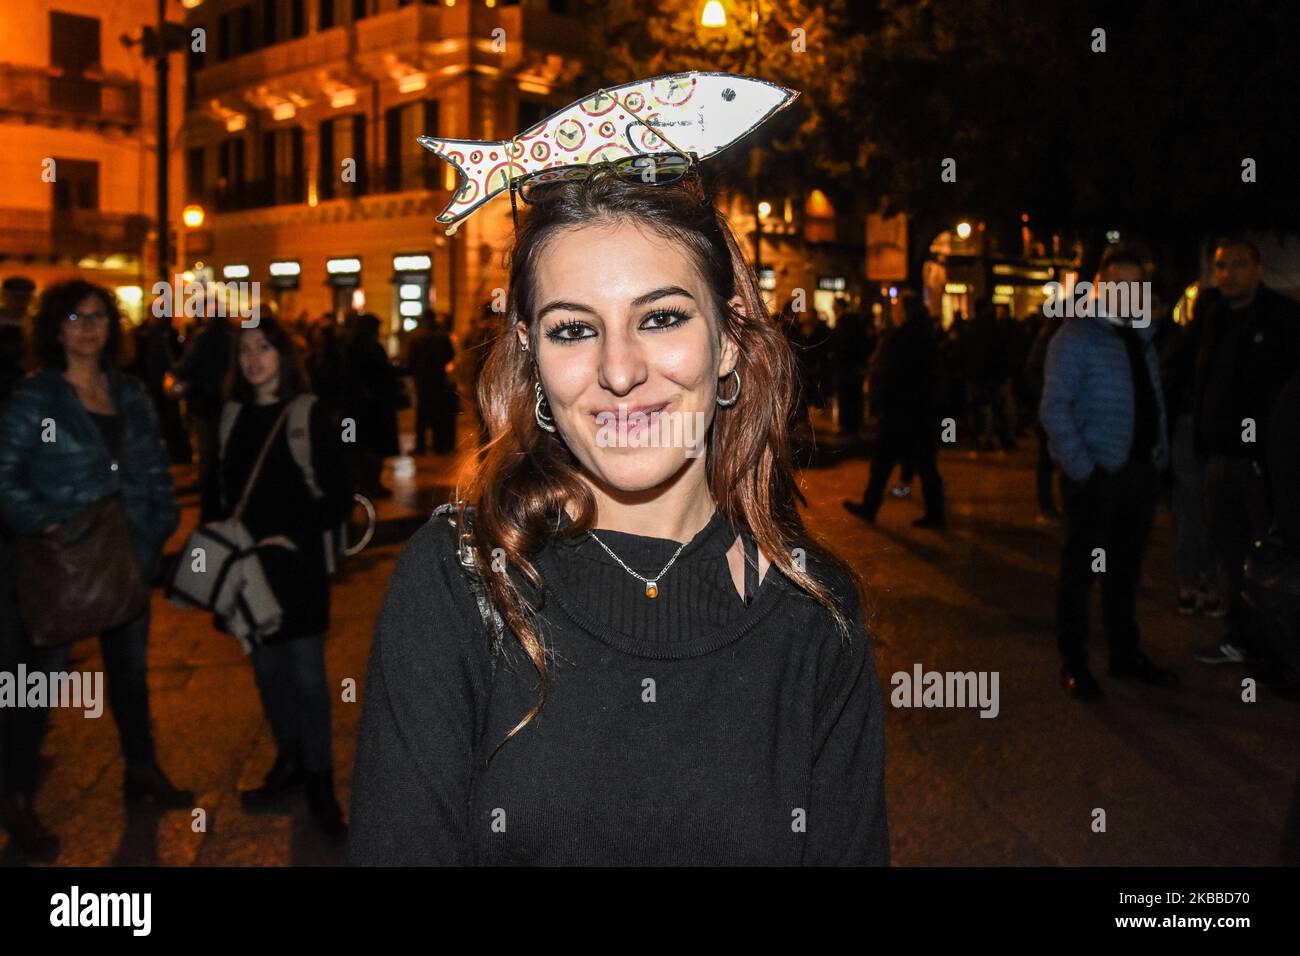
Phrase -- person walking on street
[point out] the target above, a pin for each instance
(906, 395)
(1104, 415)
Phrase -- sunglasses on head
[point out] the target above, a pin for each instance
(652, 170)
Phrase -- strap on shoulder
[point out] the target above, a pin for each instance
(300, 440)
(462, 523)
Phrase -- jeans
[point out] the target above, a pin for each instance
(125, 652)
(1112, 512)
(296, 698)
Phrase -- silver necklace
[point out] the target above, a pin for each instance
(651, 584)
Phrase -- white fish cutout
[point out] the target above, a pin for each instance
(700, 113)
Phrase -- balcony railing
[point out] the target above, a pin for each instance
(418, 174)
(75, 232)
(259, 194)
(287, 191)
(39, 91)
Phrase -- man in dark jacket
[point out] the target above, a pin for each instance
(1249, 347)
(201, 375)
(905, 394)
(848, 346)
(429, 352)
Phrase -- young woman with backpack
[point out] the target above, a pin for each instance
(300, 493)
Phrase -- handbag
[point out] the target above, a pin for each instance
(213, 549)
(80, 578)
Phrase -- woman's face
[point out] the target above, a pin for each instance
(626, 324)
(86, 335)
(258, 359)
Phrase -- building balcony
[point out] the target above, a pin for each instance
(315, 51)
(288, 191)
(43, 95)
(75, 232)
(257, 194)
(389, 45)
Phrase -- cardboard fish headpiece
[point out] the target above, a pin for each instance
(695, 114)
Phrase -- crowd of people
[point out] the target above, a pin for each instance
(1201, 414)
(1204, 413)
(285, 421)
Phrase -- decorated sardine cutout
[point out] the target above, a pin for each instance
(698, 113)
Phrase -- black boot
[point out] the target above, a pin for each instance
(26, 832)
(148, 784)
(284, 778)
(324, 807)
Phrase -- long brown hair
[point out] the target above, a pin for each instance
(293, 377)
(526, 475)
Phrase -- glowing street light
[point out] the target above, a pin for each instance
(714, 15)
(192, 215)
(963, 230)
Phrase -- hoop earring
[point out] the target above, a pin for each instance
(546, 421)
(727, 403)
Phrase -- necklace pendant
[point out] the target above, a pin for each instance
(652, 589)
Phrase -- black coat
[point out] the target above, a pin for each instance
(281, 504)
(371, 397)
(1243, 360)
(906, 382)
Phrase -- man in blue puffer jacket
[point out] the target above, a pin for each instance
(1104, 415)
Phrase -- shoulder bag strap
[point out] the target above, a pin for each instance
(257, 467)
(463, 538)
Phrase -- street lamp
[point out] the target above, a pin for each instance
(963, 230)
(713, 17)
(192, 215)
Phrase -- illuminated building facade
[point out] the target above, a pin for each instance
(300, 145)
(77, 113)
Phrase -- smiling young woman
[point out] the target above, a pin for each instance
(685, 678)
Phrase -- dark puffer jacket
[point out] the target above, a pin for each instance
(44, 482)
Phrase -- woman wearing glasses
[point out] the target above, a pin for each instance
(683, 676)
(73, 433)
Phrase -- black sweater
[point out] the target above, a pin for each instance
(687, 729)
